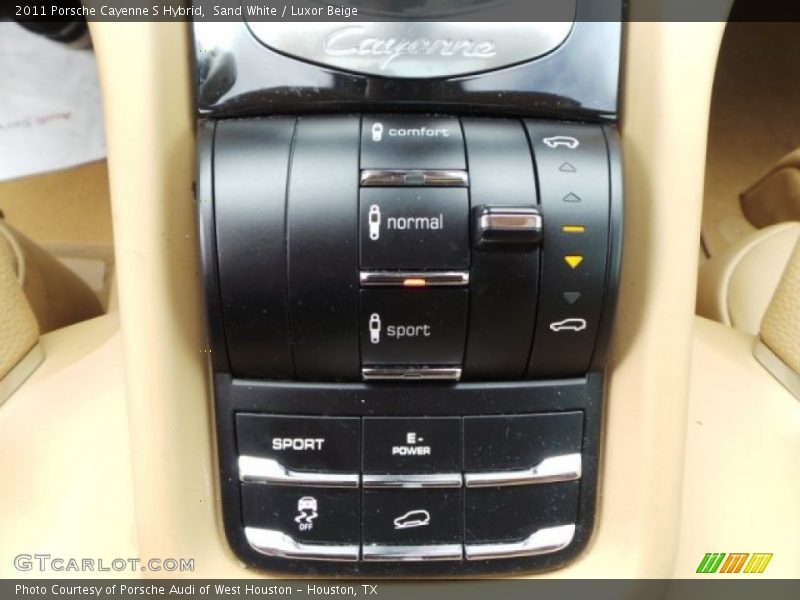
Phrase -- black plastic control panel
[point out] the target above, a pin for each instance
(411, 243)
(408, 317)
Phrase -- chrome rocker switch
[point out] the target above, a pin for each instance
(543, 541)
(507, 225)
(275, 543)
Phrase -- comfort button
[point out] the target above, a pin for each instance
(411, 142)
(412, 445)
(423, 327)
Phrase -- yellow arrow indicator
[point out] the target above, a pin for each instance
(573, 260)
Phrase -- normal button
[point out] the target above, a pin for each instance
(414, 228)
(411, 142)
(301, 443)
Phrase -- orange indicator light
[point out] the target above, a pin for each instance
(414, 282)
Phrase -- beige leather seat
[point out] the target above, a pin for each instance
(37, 294)
(735, 286)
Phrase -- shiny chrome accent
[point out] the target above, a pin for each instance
(379, 552)
(511, 220)
(413, 177)
(255, 469)
(399, 278)
(432, 480)
(422, 48)
(566, 467)
(543, 541)
(411, 373)
(276, 543)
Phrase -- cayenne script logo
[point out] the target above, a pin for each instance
(352, 41)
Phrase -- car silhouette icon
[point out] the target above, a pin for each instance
(413, 518)
(569, 325)
(561, 140)
(307, 503)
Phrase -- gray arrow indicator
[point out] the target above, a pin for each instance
(567, 168)
(571, 198)
(571, 297)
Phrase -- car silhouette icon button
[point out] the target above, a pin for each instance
(571, 324)
(563, 141)
(413, 518)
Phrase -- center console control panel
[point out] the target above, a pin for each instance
(408, 315)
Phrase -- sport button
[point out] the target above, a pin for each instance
(412, 445)
(413, 327)
(301, 443)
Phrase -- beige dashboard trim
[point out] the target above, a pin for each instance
(64, 456)
(146, 81)
(144, 70)
(740, 492)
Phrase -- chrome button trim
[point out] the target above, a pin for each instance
(275, 543)
(519, 220)
(566, 467)
(380, 552)
(411, 373)
(413, 177)
(422, 279)
(255, 469)
(543, 541)
(433, 480)
(516, 225)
